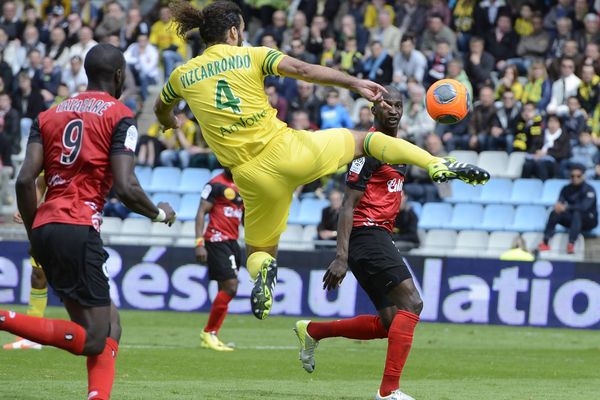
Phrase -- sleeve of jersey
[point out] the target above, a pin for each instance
(170, 91)
(125, 137)
(211, 191)
(268, 59)
(359, 173)
(35, 136)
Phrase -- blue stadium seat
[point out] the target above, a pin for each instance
(526, 191)
(216, 172)
(172, 198)
(310, 212)
(497, 217)
(144, 174)
(529, 219)
(188, 207)
(465, 216)
(463, 193)
(435, 215)
(164, 179)
(551, 190)
(416, 207)
(294, 209)
(496, 191)
(193, 180)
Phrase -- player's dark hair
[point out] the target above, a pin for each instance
(102, 61)
(392, 91)
(213, 21)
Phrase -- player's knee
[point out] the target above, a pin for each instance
(38, 279)
(94, 344)
(417, 306)
(230, 287)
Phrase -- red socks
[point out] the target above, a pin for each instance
(400, 338)
(59, 333)
(101, 371)
(218, 311)
(362, 327)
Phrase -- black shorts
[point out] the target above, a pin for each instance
(74, 261)
(376, 263)
(224, 260)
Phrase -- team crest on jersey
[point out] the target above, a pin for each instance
(357, 165)
(229, 194)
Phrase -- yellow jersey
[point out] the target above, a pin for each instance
(224, 88)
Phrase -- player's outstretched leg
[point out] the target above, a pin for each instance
(263, 269)
(398, 151)
(38, 299)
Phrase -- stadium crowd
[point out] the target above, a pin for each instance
(531, 67)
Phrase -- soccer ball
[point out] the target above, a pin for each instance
(448, 101)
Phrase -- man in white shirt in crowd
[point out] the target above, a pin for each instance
(142, 59)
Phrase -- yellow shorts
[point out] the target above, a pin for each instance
(34, 263)
(268, 181)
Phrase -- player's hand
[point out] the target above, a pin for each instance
(335, 274)
(169, 212)
(17, 218)
(369, 90)
(174, 123)
(201, 254)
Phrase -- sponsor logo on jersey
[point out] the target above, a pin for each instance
(229, 193)
(231, 212)
(394, 185)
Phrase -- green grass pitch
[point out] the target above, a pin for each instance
(160, 358)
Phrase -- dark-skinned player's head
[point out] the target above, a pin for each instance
(387, 116)
(218, 22)
(105, 69)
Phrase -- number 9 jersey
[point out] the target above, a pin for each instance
(224, 88)
(78, 136)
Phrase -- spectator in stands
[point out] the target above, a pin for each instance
(435, 33)
(581, 8)
(142, 59)
(28, 101)
(592, 55)
(318, 28)
(301, 121)
(11, 125)
(164, 36)
(409, 63)
(564, 32)
(533, 46)
(440, 7)
(350, 58)
(57, 48)
(480, 124)
(9, 20)
(85, 43)
(500, 42)
(479, 63)
(591, 31)
(570, 50)
(133, 27)
(330, 55)
(550, 149)
(112, 20)
(365, 119)
(487, 13)
(509, 81)
(277, 102)
(373, 10)
(74, 76)
(307, 101)
(179, 142)
(463, 22)
(51, 77)
(529, 130)
(327, 228)
(584, 153)
(350, 30)
(327, 8)
(588, 92)
(456, 71)
(334, 114)
(6, 169)
(437, 63)
(74, 25)
(379, 66)
(30, 18)
(411, 16)
(276, 28)
(538, 88)
(415, 123)
(114, 208)
(504, 124)
(573, 122)
(417, 184)
(524, 22)
(386, 33)
(62, 93)
(89, 12)
(299, 31)
(563, 9)
(575, 209)
(33, 67)
(563, 88)
(405, 228)
(298, 50)
(518, 251)
(201, 155)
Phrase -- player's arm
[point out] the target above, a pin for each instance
(27, 200)
(40, 190)
(337, 269)
(203, 208)
(165, 103)
(294, 68)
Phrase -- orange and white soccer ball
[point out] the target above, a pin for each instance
(448, 101)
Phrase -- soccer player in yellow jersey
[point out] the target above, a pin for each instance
(38, 296)
(224, 87)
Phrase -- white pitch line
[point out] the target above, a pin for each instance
(163, 346)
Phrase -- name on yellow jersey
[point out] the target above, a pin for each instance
(214, 68)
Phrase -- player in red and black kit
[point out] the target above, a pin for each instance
(85, 145)
(219, 248)
(371, 204)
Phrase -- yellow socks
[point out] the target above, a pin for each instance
(393, 150)
(38, 299)
(255, 262)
